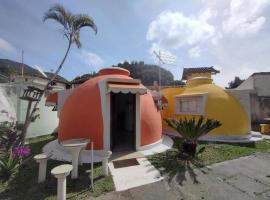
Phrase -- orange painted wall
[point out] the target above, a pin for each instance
(81, 116)
(52, 98)
(151, 127)
(204, 74)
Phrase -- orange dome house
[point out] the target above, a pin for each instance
(113, 110)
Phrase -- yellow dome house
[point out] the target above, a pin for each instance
(201, 97)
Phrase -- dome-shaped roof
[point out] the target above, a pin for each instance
(81, 115)
(114, 70)
(220, 105)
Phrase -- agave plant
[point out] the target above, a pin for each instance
(191, 130)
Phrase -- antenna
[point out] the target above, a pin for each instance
(163, 58)
(41, 71)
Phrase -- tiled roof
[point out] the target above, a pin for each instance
(261, 73)
(188, 71)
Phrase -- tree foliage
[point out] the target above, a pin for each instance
(71, 23)
(71, 26)
(83, 78)
(235, 83)
(149, 73)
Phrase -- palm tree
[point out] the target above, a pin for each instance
(72, 24)
(191, 130)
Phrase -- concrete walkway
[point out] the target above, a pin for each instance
(134, 176)
(246, 178)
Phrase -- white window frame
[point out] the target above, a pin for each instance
(186, 97)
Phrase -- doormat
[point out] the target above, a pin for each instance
(125, 163)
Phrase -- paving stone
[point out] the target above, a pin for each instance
(246, 178)
(154, 191)
(247, 185)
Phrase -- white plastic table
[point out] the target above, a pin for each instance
(74, 146)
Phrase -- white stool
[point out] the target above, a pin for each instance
(42, 160)
(74, 146)
(81, 156)
(61, 172)
(106, 156)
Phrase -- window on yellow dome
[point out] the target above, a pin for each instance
(192, 104)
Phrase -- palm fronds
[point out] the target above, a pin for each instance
(59, 14)
(71, 23)
(192, 129)
(82, 20)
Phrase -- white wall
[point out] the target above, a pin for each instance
(47, 122)
(243, 96)
(262, 84)
(7, 105)
(10, 92)
(247, 84)
(258, 86)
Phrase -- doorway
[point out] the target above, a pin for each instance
(123, 115)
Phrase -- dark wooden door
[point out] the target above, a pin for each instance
(123, 116)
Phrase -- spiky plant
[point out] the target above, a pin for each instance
(8, 166)
(72, 25)
(192, 129)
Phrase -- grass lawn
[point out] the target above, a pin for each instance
(24, 184)
(171, 164)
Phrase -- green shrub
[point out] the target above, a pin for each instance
(10, 136)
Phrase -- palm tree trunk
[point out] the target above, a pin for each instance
(29, 117)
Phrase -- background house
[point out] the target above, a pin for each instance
(201, 97)
(256, 90)
(15, 78)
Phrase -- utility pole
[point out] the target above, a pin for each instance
(162, 59)
(22, 63)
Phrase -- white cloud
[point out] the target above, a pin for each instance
(91, 59)
(223, 30)
(238, 58)
(195, 52)
(5, 46)
(245, 17)
(174, 30)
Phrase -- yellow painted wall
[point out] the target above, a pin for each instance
(220, 105)
(194, 75)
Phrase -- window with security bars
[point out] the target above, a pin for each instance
(193, 105)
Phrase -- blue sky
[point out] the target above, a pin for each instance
(231, 35)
